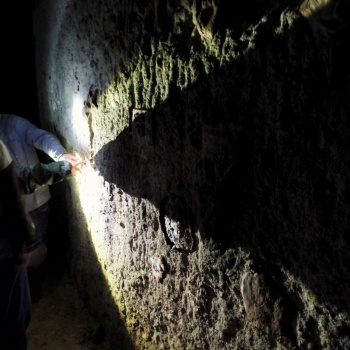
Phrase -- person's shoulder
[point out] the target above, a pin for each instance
(5, 158)
(12, 118)
(19, 123)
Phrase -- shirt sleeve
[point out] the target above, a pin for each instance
(39, 138)
(34, 176)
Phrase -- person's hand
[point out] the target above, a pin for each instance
(36, 256)
(77, 167)
(75, 162)
(71, 158)
(22, 261)
(32, 259)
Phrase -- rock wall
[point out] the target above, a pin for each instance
(213, 210)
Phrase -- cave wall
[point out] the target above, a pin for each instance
(213, 211)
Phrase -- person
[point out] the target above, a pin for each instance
(17, 240)
(22, 139)
(19, 249)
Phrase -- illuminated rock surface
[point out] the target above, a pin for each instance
(214, 212)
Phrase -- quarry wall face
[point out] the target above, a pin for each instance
(212, 212)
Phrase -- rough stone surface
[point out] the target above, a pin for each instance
(213, 212)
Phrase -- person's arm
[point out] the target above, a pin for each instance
(45, 141)
(39, 138)
(34, 176)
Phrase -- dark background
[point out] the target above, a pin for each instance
(18, 90)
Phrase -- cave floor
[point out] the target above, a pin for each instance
(60, 321)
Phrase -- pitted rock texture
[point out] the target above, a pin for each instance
(267, 309)
(216, 145)
(174, 213)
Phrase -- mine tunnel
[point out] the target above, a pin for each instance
(212, 212)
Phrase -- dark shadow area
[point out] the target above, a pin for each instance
(257, 152)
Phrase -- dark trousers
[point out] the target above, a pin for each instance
(40, 217)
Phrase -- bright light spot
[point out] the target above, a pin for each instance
(89, 185)
(80, 123)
